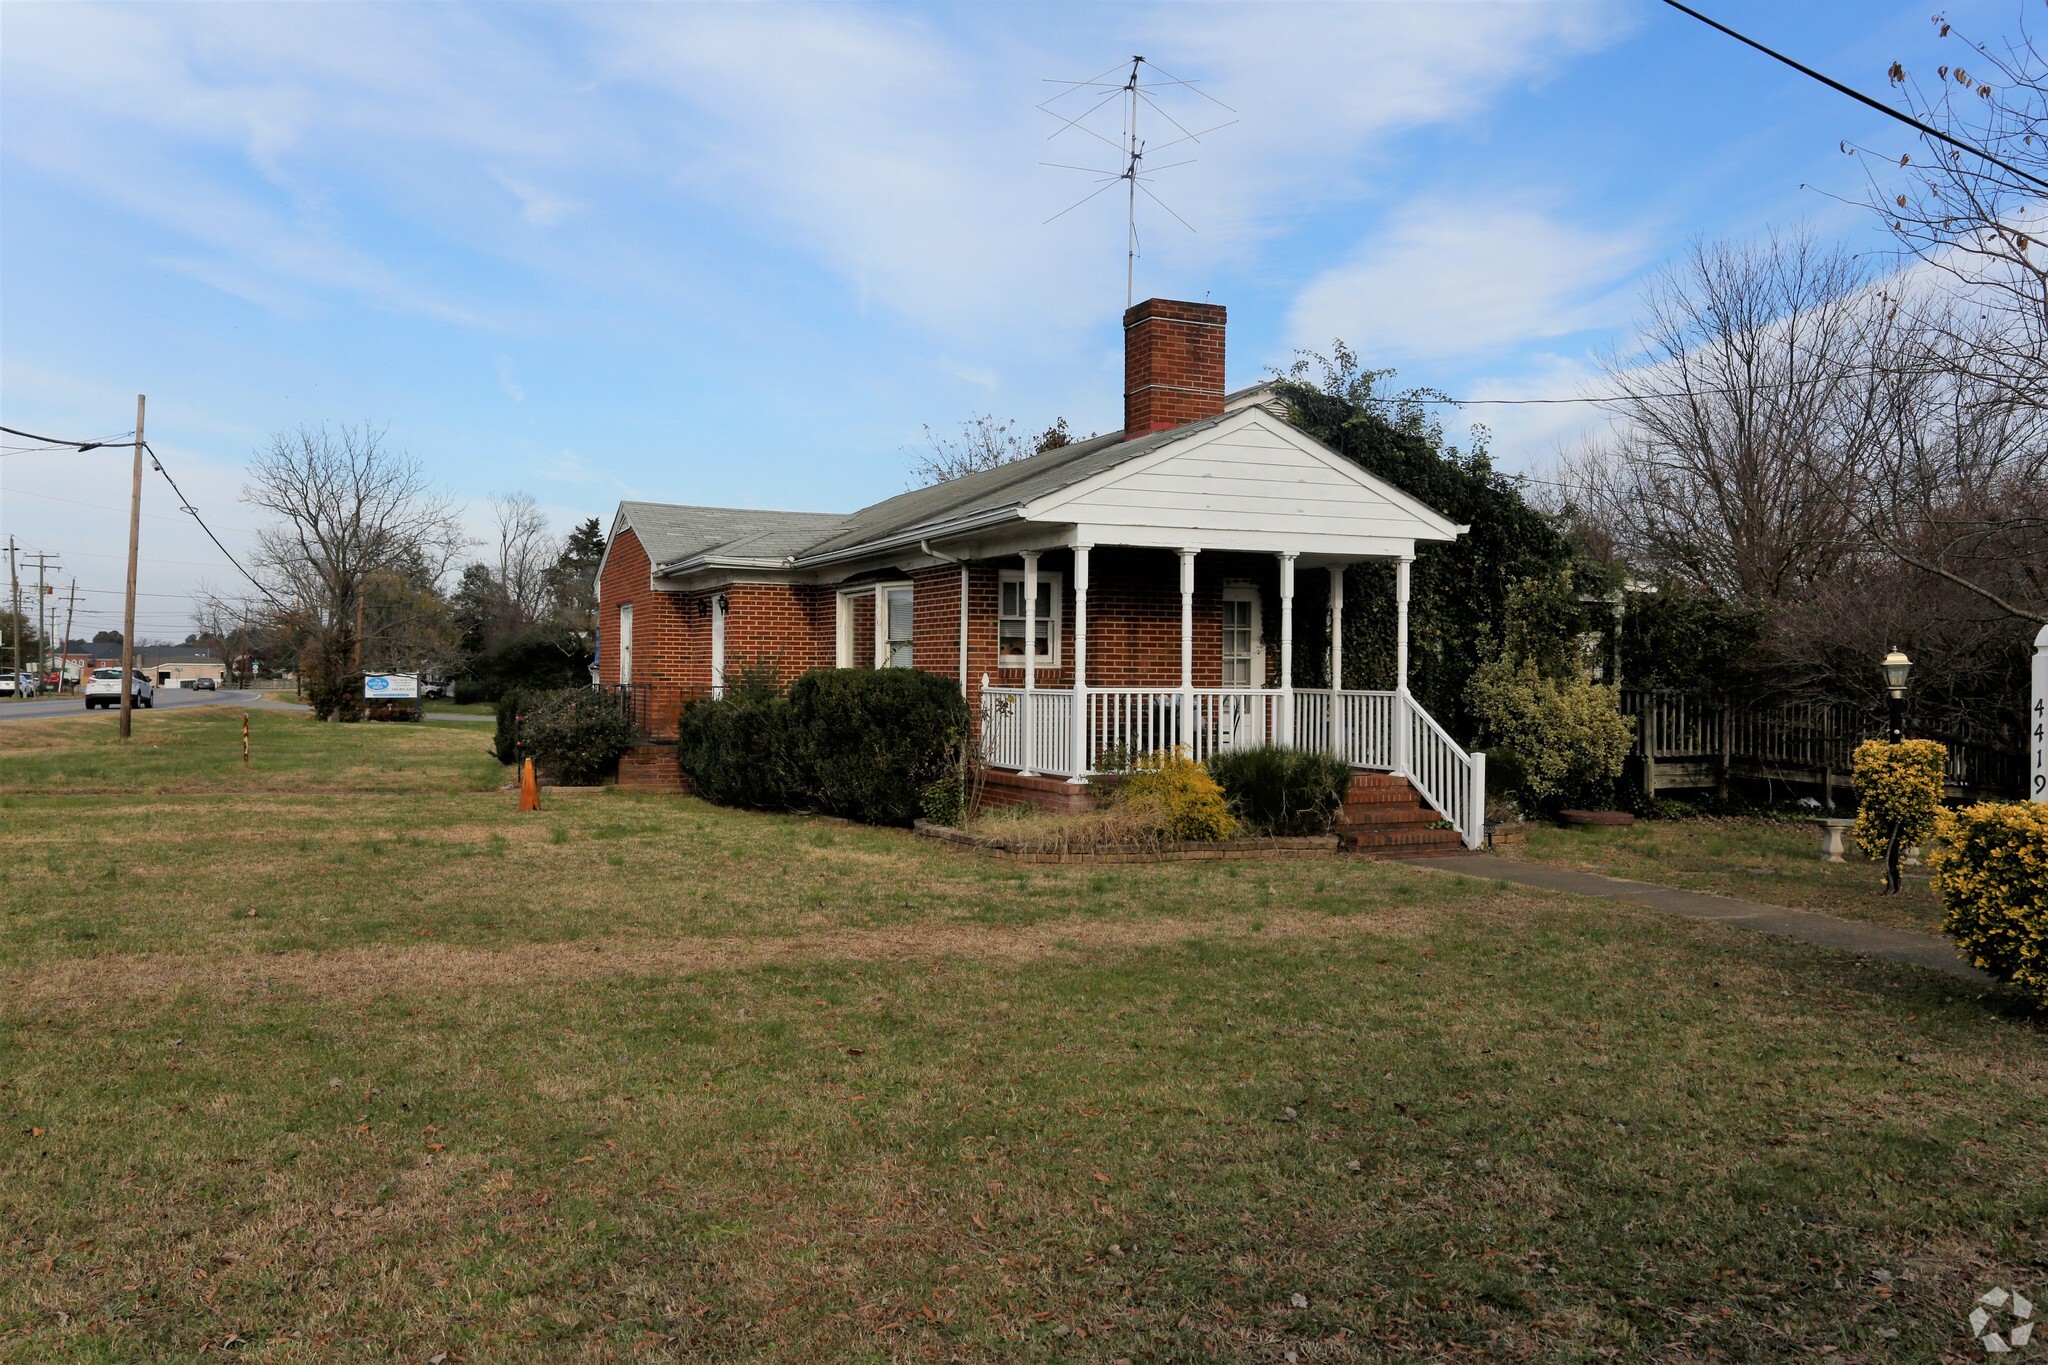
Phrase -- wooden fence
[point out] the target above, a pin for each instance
(1686, 741)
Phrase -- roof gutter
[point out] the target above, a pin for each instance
(917, 537)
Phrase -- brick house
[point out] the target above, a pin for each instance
(1117, 595)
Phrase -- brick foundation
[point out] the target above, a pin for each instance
(652, 768)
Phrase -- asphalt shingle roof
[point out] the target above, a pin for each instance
(670, 533)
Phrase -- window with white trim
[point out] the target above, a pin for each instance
(1010, 625)
(1242, 656)
(895, 621)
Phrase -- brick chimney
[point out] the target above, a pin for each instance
(1173, 364)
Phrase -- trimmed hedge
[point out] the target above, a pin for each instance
(505, 742)
(1900, 782)
(867, 744)
(737, 752)
(1991, 872)
(575, 735)
(1283, 792)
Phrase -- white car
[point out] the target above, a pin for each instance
(18, 685)
(103, 688)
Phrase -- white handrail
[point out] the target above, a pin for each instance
(1128, 721)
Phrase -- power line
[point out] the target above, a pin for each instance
(187, 507)
(58, 443)
(1862, 98)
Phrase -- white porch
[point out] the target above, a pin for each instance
(1077, 730)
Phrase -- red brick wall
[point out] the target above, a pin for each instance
(790, 625)
(1173, 364)
(1133, 618)
(1133, 623)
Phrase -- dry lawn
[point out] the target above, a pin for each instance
(344, 1058)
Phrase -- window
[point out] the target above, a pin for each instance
(626, 643)
(896, 623)
(1242, 657)
(875, 626)
(1010, 627)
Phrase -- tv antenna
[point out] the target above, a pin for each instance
(1128, 97)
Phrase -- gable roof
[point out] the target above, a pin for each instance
(678, 538)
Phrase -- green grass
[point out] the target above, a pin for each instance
(1774, 861)
(442, 706)
(639, 1078)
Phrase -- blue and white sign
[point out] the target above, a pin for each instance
(391, 686)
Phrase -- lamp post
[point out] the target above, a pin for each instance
(1896, 668)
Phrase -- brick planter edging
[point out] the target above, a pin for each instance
(1223, 850)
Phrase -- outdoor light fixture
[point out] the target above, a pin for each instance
(1896, 669)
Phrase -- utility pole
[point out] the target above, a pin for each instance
(64, 646)
(134, 548)
(14, 592)
(42, 560)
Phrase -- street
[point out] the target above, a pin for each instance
(44, 708)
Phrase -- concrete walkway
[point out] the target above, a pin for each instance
(1807, 926)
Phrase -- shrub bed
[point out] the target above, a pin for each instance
(1991, 872)
(875, 745)
(1180, 794)
(1280, 791)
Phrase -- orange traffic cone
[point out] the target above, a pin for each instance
(529, 789)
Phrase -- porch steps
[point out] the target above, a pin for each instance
(1385, 817)
(651, 768)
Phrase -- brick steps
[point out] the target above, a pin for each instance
(1385, 817)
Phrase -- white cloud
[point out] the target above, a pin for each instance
(1458, 277)
(507, 382)
(540, 207)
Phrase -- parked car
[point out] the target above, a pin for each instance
(103, 688)
(205, 685)
(18, 684)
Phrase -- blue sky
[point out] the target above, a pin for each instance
(742, 254)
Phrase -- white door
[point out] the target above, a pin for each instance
(1241, 722)
(626, 643)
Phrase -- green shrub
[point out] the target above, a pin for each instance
(944, 802)
(505, 741)
(1188, 802)
(868, 742)
(1569, 739)
(576, 735)
(737, 751)
(1279, 791)
(1991, 872)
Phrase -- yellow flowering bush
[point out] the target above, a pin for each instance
(1991, 872)
(1901, 782)
(1189, 803)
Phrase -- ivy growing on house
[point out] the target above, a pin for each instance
(1458, 611)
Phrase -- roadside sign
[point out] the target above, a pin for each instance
(2037, 721)
(391, 686)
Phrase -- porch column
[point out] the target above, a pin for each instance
(1079, 721)
(1187, 650)
(1337, 660)
(1030, 662)
(1401, 665)
(1286, 727)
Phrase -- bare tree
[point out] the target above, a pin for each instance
(1742, 421)
(353, 516)
(527, 550)
(983, 444)
(1978, 221)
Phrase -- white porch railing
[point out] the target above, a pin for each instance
(1385, 731)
